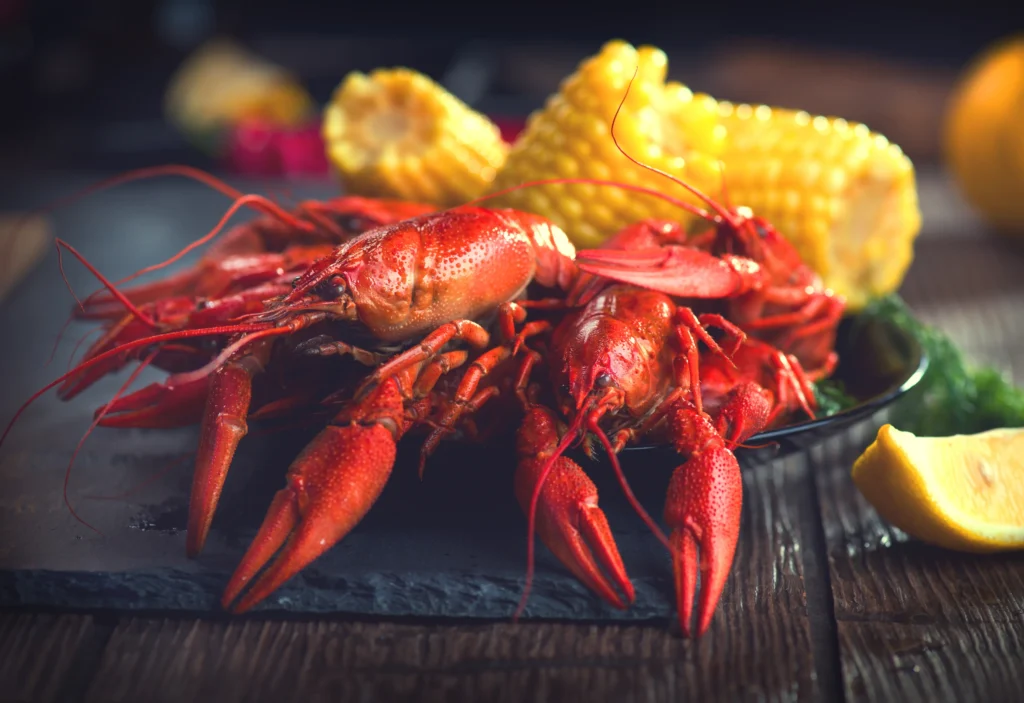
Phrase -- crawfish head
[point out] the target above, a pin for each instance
(757, 239)
(611, 355)
(407, 278)
(346, 282)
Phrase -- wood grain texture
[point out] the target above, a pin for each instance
(759, 646)
(38, 652)
(23, 243)
(915, 623)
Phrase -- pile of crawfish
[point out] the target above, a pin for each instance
(380, 318)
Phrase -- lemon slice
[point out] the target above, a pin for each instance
(964, 492)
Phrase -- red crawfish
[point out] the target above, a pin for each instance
(412, 287)
(621, 369)
(789, 306)
(424, 280)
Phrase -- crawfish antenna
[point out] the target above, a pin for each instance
(594, 427)
(238, 204)
(127, 346)
(143, 317)
(190, 172)
(682, 204)
(725, 190)
(96, 421)
(719, 210)
(229, 351)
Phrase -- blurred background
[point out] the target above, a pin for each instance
(84, 80)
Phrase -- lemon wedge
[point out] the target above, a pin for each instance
(963, 492)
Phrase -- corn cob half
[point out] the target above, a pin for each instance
(395, 133)
(662, 124)
(845, 196)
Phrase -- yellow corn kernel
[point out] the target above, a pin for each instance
(395, 133)
(844, 196)
(662, 124)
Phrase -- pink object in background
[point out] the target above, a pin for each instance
(302, 152)
(259, 148)
(255, 147)
(510, 127)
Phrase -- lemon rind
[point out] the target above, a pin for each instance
(935, 519)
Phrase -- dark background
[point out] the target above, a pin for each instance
(83, 80)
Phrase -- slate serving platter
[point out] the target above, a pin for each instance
(453, 545)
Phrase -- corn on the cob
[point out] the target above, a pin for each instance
(662, 124)
(222, 83)
(844, 196)
(395, 133)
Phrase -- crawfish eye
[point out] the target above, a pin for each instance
(333, 288)
(352, 223)
(603, 380)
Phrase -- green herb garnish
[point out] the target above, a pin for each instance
(832, 397)
(954, 397)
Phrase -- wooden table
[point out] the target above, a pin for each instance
(825, 602)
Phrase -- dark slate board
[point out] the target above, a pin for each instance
(453, 545)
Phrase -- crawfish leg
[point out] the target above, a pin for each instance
(629, 434)
(686, 335)
(790, 376)
(159, 405)
(522, 379)
(811, 307)
(465, 398)
(509, 314)
(428, 378)
(689, 329)
(431, 345)
(223, 426)
(325, 346)
(735, 333)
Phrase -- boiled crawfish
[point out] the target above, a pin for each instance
(423, 282)
(621, 369)
(394, 294)
(786, 302)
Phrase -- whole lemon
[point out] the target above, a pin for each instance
(983, 135)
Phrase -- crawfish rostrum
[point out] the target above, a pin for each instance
(381, 318)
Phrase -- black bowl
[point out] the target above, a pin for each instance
(879, 362)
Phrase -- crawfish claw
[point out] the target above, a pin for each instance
(569, 521)
(676, 270)
(332, 484)
(703, 510)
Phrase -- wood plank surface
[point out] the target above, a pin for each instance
(916, 623)
(24, 239)
(759, 647)
(43, 656)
